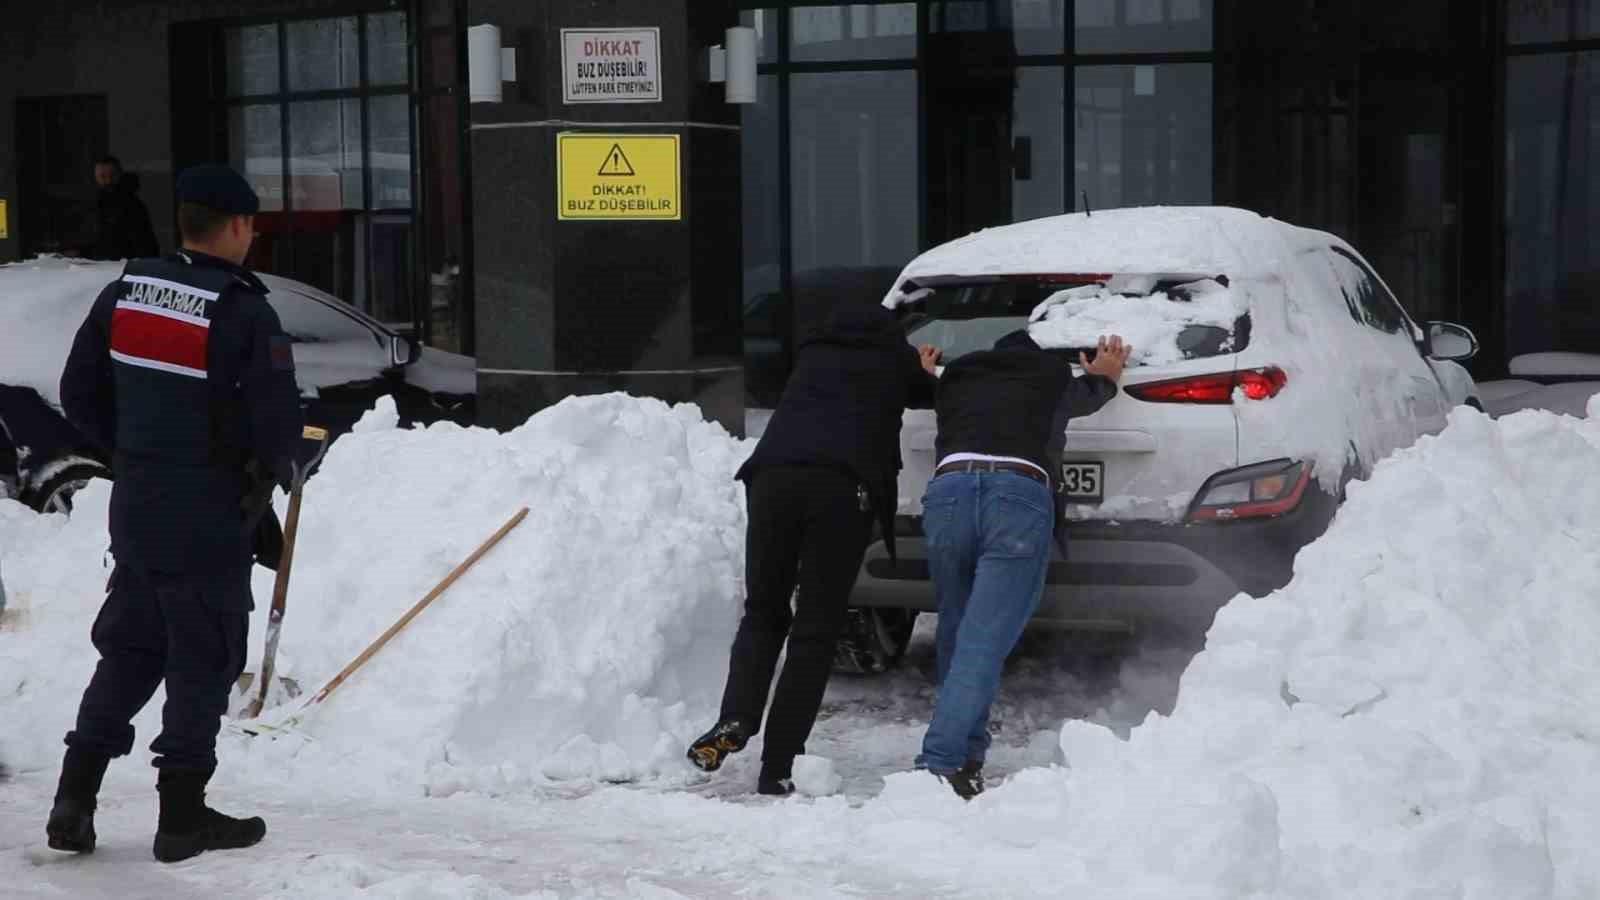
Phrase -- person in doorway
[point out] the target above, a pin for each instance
(988, 515)
(824, 470)
(122, 223)
(184, 377)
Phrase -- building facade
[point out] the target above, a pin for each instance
(1450, 140)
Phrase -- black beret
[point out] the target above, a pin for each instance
(218, 187)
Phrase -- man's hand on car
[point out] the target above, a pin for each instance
(930, 355)
(1110, 356)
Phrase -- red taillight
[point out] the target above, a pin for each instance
(1257, 384)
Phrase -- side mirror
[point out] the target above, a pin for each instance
(403, 350)
(1449, 341)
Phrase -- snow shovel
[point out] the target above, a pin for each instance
(294, 718)
(280, 585)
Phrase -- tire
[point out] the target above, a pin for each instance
(54, 494)
(874, 640)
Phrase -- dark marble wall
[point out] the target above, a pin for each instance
(563, 308)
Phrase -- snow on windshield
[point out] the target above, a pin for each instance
(1152, 321)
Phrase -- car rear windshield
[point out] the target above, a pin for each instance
(1166, 318)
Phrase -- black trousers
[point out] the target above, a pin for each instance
(186, 630)
(807, 527)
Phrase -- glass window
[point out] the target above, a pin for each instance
(388, 56)
(857, 31)
(1143, 134)
(252, 60)
(1552, 20)
(766, 309)
(323, 54)
(255, 148)
(1038, 168)
(325, 154)
(1141, 26)
(1035, 26)
(853, 183)
(765, 22)
(1552, 202)
(390, 120)
(1367, 299)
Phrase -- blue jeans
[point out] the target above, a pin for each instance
(988, 540)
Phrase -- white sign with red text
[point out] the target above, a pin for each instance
(611, 65)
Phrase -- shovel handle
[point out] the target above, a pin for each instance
(280, 584)
(422, 604)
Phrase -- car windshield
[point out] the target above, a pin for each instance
(308, 320)
(1166, 319)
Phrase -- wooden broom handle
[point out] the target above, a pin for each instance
(422, 604)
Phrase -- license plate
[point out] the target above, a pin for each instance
(1083, 482)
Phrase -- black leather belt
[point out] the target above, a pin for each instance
(985, 465)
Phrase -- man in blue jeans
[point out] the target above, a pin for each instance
(989, 515)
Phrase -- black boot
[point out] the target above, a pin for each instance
(710, 749)
(965, 781)
(973, 770)
(71, 825)
(188, 827)
(777, 778)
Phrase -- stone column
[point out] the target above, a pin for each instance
(581, 307)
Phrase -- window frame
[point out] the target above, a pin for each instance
(223, 104)
(784, 67)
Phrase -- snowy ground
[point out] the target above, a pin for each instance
(1415, 716)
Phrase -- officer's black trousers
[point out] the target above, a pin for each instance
(806, 525)
(188, 630)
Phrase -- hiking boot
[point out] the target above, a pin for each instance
(966, 784)
(775, 787)
(188, 827)
(710, 750)
(71, 824)
(973, 769)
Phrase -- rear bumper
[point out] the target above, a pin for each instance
(1128, 575)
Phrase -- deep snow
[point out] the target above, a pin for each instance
(1416, 715)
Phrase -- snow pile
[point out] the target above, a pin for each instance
(590, 643)
(1151, 321)
(1416, 714)
(45, 300)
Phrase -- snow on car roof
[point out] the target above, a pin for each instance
(1198, 240)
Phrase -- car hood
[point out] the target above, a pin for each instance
(442, 372)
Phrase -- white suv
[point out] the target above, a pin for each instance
(1271, 365)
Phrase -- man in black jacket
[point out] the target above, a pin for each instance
(182, 374)
(988, 515)
(828, 461)
(122, 223)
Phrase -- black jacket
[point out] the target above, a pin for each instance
(123, 229)
(1014, 401)
(853, 379)
(183, 376)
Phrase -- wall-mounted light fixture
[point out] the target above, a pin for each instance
(734, 64)
(488, 64)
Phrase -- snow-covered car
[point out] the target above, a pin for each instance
(344, 360)
(1271, 366)
(1559, 382)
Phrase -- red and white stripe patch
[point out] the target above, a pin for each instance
(160, 339)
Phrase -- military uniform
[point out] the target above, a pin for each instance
(183, 376)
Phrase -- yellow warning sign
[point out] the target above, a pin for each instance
(4, 227)
(618, 176)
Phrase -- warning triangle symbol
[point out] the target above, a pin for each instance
(617, 163)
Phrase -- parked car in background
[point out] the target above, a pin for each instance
(1559, 382)
(1271, 366)
(344, 361)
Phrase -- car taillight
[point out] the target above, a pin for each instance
(1258, 491)
(1257, 384)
